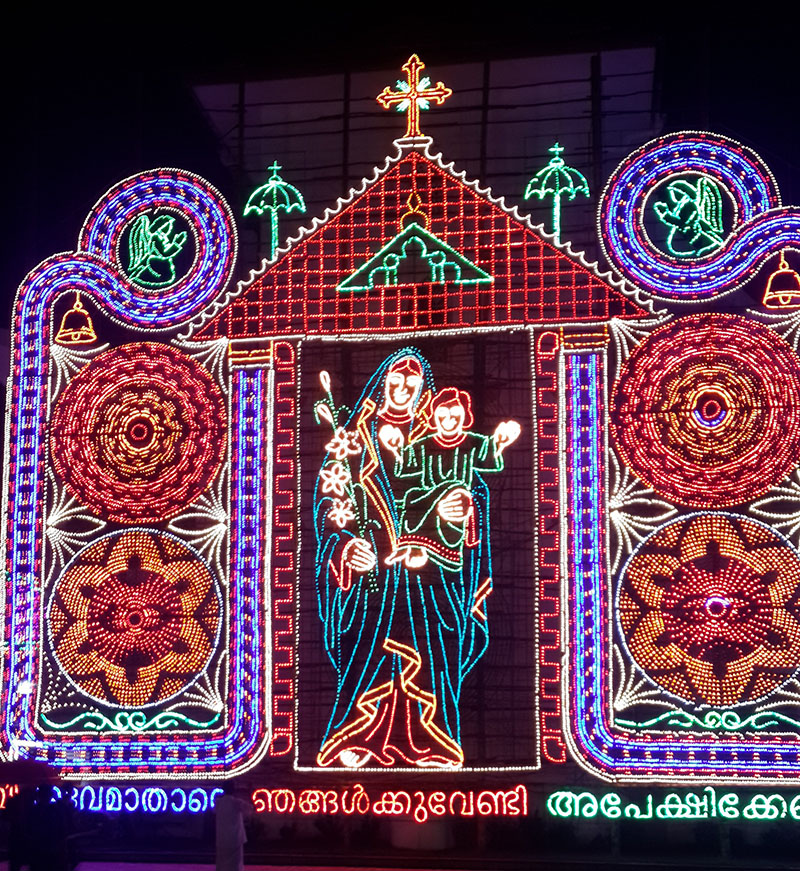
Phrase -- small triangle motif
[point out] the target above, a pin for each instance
(414, 256)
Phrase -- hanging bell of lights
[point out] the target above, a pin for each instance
(76, 326)
(783, 287)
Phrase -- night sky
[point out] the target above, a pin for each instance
(88, 103)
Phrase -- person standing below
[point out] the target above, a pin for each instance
(231, 836)
(49, 828)
(18, 813)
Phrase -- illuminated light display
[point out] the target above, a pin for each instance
(693, 214)
(708, 606)
(163, 404)
(548, 365)
(280, 459)
(534, 281)
(414, 247)
(273, 197)
(604, 746)
(413, 95)
(419, 805)
(76, 326)
(339, 278)
(212, 558)
(168, 192)
(783, 287)
(557, 180)
(416, 563)
(709, 803)
(697, 172)
(705, 410)
(153, 246)
(139, 432)
(134, 618)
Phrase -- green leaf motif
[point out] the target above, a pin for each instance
(715, 721)
(131, 721)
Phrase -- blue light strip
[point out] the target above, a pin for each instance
(619, 753)
(763, 226)
(246, 650)
(211, 222)
(98, 280)
(585, 492)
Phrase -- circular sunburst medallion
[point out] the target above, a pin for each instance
(710, 608)
(139, 433)
(707, 410)
(134, 618)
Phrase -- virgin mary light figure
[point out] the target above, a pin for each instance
(401, 631)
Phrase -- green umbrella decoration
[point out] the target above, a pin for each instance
(557, 180)
(273, 197)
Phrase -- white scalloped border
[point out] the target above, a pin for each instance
(404, 146)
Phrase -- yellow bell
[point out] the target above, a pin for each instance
(783, 287)
(76, 326)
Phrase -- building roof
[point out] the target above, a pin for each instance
(308, 289)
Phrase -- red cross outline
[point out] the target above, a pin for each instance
(438, 94)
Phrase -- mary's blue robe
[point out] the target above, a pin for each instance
(401, 641)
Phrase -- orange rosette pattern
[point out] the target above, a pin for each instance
(709, 607)
(139, 433)
(134, 618)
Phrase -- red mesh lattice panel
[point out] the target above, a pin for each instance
(533, 281)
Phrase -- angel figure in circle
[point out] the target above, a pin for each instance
(694, 217)
(152, 249)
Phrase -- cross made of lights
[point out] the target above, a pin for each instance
(413, 95)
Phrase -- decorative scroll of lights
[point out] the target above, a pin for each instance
(154, 481)
(135, 502)
(684, 623)
(691, 215)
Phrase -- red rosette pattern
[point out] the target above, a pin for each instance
(706, 410)
(134, 618)
(139, 433)
(709, 606)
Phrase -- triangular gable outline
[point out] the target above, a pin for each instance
(639, 296)
(412, 231)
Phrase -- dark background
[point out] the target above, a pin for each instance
(94, 96)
